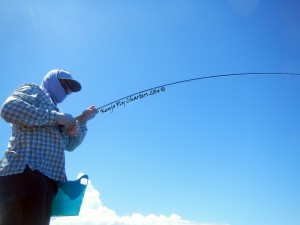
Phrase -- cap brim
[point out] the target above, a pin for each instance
(74, 85)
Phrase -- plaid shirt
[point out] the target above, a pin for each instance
(36, 139)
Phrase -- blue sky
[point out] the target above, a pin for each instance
(223, 150)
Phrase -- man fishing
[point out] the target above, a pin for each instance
(34, 162)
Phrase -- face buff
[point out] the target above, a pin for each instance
(52, 85)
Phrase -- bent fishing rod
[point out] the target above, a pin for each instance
(109, 107)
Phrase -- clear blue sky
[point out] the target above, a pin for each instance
(223, 150)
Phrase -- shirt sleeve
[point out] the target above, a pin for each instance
(23, 107)
(72, 142)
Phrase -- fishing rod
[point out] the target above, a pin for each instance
(109, 107)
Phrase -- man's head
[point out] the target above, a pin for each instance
(59, 84)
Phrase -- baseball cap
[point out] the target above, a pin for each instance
(75, 86)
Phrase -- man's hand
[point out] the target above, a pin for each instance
(88, 114)
(73, 129)
(71, 123)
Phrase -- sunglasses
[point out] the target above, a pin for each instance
(66, 86)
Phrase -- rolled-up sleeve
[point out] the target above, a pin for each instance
(72, 142)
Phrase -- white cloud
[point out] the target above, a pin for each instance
(93, 212)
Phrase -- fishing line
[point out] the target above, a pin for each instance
(109, 107)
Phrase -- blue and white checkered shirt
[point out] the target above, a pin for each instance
(36, 139)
